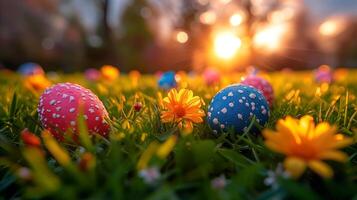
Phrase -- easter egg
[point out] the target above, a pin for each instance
(167, 80)
(234, 106)
(30, 68)
(262, 85)
(323, 74)
(61, 104)
(92, 74)
(211, 76)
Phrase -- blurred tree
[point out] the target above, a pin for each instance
(36, 31)
(135, 37)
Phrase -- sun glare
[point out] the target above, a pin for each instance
(226, 45)
(270, 37)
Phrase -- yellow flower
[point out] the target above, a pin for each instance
(155, 148)
(59, 153)
(143, 137)
(182, 108)
(147, 155)
(36, 83)
(165, 148)
(109, 72)
(306, 145)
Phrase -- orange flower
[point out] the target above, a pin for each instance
(109, 72)
(36, 83)
(182, 108)
(306, 145)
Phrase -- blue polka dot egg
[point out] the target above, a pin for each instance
(30, 68)
(235, 106)
(167, 80)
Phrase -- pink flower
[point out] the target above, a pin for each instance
(150, 175)
(219, 182)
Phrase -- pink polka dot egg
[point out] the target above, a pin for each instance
(61, 104)
(262, 85)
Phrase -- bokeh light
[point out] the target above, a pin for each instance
(236, 19)
(182, 37)
(332, 27)
(208, 17)
(270, 38)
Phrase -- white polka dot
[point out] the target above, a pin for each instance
(230, 94)
(240, 116)
(215, 121)
(52, 102)
(71, 98)
(252, 95)
(240, 91)
(224, 110)
(231, 104)
(224, 97)
(71, 110)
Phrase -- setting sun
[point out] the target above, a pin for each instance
(226, 45)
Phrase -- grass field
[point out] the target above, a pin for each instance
(200, 165)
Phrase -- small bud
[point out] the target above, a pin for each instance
(30, 139)
(138, 106)
(86, 162)
(219, 182)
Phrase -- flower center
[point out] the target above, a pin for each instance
(179, 111)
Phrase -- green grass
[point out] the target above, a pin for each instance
(195, 160)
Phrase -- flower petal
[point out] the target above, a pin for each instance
(321, 168)
(295, 166)
(334, 155)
